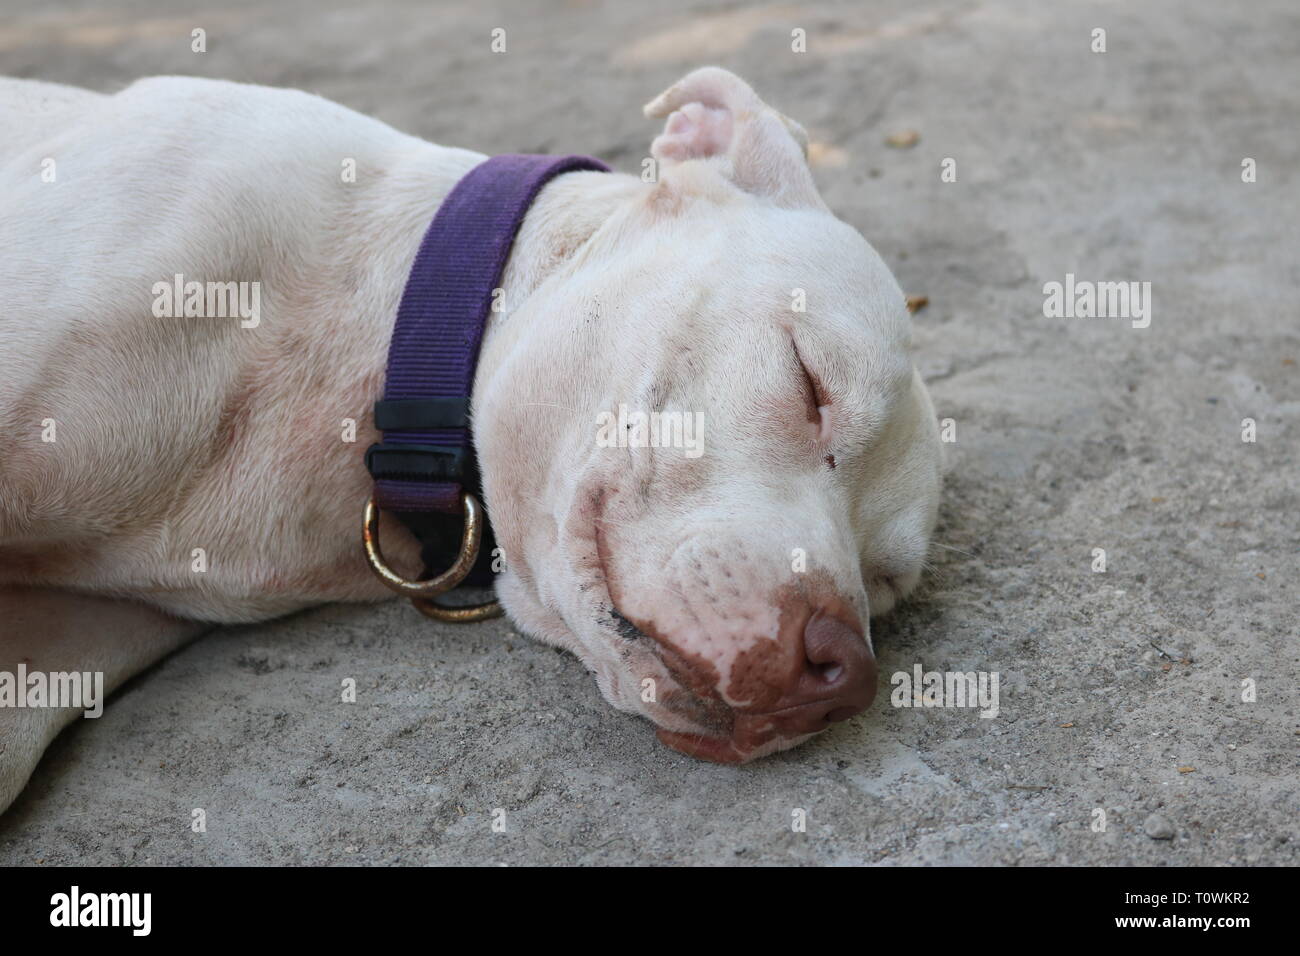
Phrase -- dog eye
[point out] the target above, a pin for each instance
(814, 395)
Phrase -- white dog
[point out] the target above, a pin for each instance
(157, 471)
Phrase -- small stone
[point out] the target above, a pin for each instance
(1158, 828)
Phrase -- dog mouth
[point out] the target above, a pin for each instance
(690, 715)
(747, 742)
(695, 721)
(687, 698)
(690, 718)
(700, 746)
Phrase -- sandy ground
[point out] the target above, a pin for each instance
(1072, 434)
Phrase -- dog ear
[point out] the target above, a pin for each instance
(714, 115)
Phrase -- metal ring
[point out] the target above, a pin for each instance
(463, 614)
(421, 592)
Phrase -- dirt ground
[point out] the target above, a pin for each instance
(1122, 691)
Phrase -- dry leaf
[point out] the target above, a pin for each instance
(824, 154)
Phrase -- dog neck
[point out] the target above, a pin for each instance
(566, 214)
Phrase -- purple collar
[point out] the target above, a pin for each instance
(426, 459)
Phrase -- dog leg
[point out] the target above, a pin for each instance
(52, 631)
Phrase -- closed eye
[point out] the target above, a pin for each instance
(816, 400)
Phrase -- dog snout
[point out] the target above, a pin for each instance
(818, 669)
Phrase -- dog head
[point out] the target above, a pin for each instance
(706, 453)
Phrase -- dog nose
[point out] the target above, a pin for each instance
(838, 678)
(817, 671)
(745, 694)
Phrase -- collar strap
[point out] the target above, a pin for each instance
(426, 459)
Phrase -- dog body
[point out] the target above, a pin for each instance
(210, 469)
(174, 433)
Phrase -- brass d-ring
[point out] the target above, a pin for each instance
(458, 615)
(421, 593)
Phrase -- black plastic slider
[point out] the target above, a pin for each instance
(417, 462)
(418, 414)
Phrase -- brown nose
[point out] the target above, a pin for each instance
(819, 670)
(836, 681)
